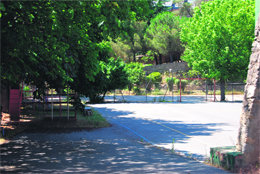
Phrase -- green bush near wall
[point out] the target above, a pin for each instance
(155, 78)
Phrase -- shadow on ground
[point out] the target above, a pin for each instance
(100, 151)
(166, 135)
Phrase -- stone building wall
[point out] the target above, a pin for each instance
(249, 132)
(175, 66)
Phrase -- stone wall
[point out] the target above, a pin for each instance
(249, 132)
(175, 66)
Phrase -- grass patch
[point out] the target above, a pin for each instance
(40, 121)
(61, 121)
(95, 121)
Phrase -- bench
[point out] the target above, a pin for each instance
(87, 111)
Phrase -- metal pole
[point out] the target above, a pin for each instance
(114, 96)
(214, 90)
(232, 92)
(52, 104)
(206, 91)
(172, 84)
(75, 96)
(146, 95)
(68, 108)
(146, 86)
(180, 90)
(122, 95)
(60, 104)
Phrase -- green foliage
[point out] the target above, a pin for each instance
(51, 44)
(149, 56)
(26, 88)
(131, 41)
(113, 75)
(163, 35)
(121, 49)
(96, 120)
(136, 74)
(219, 37)
(137, 90)
(155, 78)
(184, 83)
(170, 82)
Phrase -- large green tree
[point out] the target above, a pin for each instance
(54, 43)
(218, 40)
(131, 43)
(163, 35)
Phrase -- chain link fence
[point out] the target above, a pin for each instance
(185, 90)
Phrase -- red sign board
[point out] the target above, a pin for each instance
(15, 102)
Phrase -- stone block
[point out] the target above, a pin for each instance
(226, 157)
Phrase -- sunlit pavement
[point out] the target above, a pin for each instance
(190, 128)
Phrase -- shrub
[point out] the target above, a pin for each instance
(26, 88)
(136, 74)
(170, 82)
(184, 83)
(112, 75)
(137, 90)
(155, 78)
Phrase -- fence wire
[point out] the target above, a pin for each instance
(195, 91)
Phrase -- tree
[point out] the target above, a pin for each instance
(51, 40)
(218, 40)
(163, 35)
(51, 44)
(113, 75)
(136, 74)
(131, 43)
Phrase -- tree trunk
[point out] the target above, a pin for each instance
(155, 58)
(4, 96)
(160, 59)
(171, 58)
(222, 90)
(134, 58)
(133, 50)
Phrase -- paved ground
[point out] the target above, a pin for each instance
(107, 150)
(195, 127)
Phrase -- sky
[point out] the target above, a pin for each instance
(170, 2)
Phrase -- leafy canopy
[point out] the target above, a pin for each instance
(163, 34)
(136, 74)
(219, 38)
(53, 43)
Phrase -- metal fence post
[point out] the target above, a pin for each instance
(180, 89)
(214, 90)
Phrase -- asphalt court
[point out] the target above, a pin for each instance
(190, 128)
